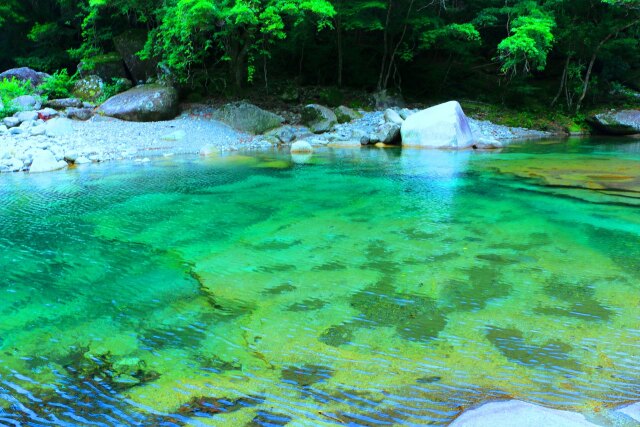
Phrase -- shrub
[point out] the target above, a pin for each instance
(59, 85)
(10, 89)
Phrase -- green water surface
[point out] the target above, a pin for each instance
(352, 287)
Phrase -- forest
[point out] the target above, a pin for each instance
(551, 53)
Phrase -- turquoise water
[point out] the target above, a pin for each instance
(352, 287)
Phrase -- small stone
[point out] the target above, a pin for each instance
(38, 130)
(81, 160)
(301, 147)
(45, 161)
(391, 116)
(346, 114)
(178, 135)
(26, 102)
(82, 114)
(11, 122)
(26, 116)
(47, 114)
(17, 131)
(405, 113)
(59, 127)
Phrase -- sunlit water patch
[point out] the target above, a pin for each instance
(357, 287)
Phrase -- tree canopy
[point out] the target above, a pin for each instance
(574, 50)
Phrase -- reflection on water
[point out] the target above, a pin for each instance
(369, 287)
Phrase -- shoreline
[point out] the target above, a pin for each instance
(102, 139)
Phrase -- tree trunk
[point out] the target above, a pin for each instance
(383, 66)
(340, 54)
(563, 81)
(585, 86)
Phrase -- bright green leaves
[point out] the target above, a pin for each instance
(530, 42)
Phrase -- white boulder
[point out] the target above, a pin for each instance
(442, 126)
(301, 147)
(59, 127)
(45, 161)
(515, 413)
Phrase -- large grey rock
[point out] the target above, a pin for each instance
(11, 122)
(61, 104)
(25, 74)
(146, 103)
(388, 133)
(392, 116)
(128, 45)
(26, 102)
(82, 114)
(26, 116)
(108, 66)
(443, 126)
(346, 114)
(515, 413)
(45, 161)
(248, 118)
(318, 119)
(624, 122)
(89, 88)
(59, 127)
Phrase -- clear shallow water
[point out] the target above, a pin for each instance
(372, 287)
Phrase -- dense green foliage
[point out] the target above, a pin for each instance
(552, 51)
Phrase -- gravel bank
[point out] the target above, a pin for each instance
(194, 131)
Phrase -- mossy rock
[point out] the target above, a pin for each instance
(128, 45)
(89, 88)
(107, 67)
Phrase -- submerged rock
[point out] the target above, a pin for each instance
(247, 117)
(515, 413)
(318, 118)
(45, 161)
(632, 411)
(147, 103)
(624, 122)
(442, 126)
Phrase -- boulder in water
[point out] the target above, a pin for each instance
(442, 126)
(301, 146)
(624, 122)
(45, 161)
(318, 119)
(146, 103)
(247, 117)
(515, 413)
(25, 74)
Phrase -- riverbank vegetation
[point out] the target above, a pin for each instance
(523, 54)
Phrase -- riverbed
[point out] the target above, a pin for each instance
(349, 287)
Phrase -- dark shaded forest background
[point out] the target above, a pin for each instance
(556, 53)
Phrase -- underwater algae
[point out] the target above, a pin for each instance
(371, 288)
